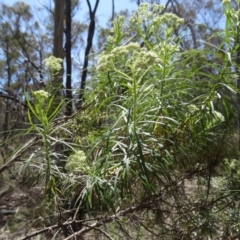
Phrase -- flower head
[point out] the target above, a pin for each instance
(225, 1)
(53, 63)
(41, 95)
(77, 163)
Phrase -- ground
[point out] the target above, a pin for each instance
(17, 207)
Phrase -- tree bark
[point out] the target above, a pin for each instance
(68, 47)
(58, 42)
(91, 30)
(238, 85)
(6, 119)
(113, 10)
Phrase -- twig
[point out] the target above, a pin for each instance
(103, 220)
(107, 220)
(47, 229)
(40, 231)
(123, 230)
(101, 231)
(78, 209)
(145, 227)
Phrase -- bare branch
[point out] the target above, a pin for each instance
(91, 31)
(107, 220)
(101, 231)
(13, 98)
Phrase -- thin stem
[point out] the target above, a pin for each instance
(47, 156)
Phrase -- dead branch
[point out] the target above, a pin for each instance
(91, 30)
(49, 229)
(107, 220)
(14, 99)
(100, 221)
(101, 231)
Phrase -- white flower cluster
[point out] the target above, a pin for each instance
(130, 54)
(226, 1)
(169, 19)
(76, 163)
(143, 59)
(53, 63)
(117, 29)
(143, 12)
(154, 18)
(157, 8)
(120, 19)
(41, 95)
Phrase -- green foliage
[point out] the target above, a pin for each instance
(41, 109)
(159, 119)
(165, 113)
(157, 132)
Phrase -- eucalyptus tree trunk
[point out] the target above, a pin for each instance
(68, 47)
(238, 82)
(6, 119)
(58, 45)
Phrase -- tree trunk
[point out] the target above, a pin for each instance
(6, 119)
(68, 59)
(238, 86)
(58, 44)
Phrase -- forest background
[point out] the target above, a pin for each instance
(123, 131)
